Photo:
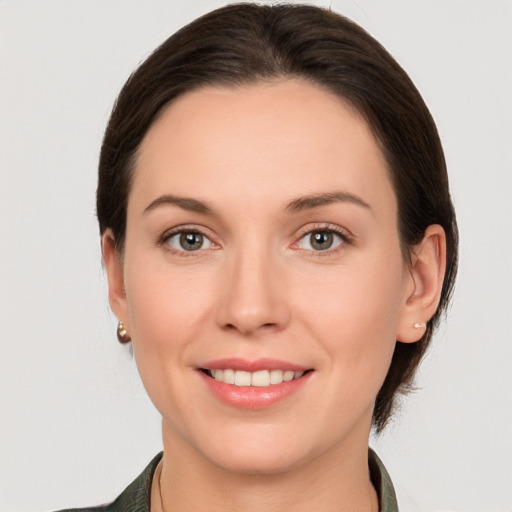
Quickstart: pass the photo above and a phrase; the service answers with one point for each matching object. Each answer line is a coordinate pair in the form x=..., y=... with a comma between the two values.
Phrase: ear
x=115, y=277
x=423, y=286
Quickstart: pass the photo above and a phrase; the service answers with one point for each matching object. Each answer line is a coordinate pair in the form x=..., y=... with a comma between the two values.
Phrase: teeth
x=261, y=378
x=229, y=376
x=276, y=376
x=242, y=378
x=288, y=375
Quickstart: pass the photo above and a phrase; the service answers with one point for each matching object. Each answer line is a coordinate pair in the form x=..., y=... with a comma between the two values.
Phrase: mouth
x=260, y=378
x=254, y=384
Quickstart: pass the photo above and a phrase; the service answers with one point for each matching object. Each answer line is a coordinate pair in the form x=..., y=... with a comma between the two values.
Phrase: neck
x=335, y=481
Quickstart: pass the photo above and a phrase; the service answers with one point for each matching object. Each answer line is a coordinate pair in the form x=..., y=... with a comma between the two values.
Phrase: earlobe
x=115, y=276
x=424, y=285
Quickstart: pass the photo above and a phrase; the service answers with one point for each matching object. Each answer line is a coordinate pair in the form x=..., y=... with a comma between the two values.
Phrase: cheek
x=164, y=303
x=167, y=311
x=354, y=312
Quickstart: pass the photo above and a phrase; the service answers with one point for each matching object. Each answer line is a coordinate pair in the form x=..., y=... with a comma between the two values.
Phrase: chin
x=257, y=455
x=258, y=464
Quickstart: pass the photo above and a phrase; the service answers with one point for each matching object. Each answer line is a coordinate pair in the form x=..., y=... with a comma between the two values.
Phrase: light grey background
x=75, y=423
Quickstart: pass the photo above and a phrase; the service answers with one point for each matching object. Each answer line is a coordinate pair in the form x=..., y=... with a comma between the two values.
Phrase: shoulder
x=135, y=498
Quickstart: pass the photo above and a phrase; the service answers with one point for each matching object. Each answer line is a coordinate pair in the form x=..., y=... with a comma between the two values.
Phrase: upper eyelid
x=344, y=234
x=187, y=228
x=162, y=241
x=300, y=233
x=177, y=230
x=324, y=226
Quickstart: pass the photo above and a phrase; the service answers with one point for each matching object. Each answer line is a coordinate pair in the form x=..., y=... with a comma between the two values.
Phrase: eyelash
x=182, y=230
x=345, y=237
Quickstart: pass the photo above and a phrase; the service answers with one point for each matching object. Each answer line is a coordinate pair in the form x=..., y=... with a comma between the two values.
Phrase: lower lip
x=253, y=397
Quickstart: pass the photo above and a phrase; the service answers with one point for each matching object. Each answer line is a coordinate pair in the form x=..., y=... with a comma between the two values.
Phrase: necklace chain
x=162, y=508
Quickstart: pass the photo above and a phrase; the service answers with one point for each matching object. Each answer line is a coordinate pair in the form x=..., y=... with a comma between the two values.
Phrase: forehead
x=272, y=139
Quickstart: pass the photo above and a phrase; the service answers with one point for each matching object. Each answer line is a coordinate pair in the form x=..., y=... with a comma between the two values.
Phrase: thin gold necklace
x=160, y=465
x=162, y=508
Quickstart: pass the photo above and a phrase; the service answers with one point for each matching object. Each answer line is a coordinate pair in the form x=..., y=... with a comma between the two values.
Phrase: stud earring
x=122, y=334
x=419, y=325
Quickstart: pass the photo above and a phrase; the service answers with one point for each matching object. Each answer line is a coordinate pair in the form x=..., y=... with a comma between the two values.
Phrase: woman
x=279, y=241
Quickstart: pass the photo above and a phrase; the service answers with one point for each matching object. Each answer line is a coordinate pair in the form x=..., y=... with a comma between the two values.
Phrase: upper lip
x=235, y=363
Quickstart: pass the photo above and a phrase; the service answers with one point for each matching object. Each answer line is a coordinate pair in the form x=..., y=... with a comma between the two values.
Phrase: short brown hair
x=246, y=43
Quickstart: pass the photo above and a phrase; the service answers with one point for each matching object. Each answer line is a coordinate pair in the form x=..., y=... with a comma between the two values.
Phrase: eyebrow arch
x=185, y=203
x=323, y=199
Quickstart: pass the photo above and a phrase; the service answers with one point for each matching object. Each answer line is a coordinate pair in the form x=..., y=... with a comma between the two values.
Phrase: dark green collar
x=136, y=497
x=382, y=483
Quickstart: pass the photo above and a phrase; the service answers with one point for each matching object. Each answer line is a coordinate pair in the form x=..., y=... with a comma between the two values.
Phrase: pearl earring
x=122, y=334
x=419, y=325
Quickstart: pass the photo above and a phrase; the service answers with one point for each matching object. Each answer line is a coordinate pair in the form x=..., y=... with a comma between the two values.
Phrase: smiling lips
x=259, y=378
x=253, y=385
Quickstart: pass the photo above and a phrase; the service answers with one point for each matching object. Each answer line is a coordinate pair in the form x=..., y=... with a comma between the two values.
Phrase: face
x=262, y=246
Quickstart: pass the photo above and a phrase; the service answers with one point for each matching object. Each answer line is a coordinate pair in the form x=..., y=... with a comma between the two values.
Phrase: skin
x=258, y=288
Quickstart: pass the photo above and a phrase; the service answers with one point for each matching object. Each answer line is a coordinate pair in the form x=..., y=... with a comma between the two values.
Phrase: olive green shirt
x=135, y=498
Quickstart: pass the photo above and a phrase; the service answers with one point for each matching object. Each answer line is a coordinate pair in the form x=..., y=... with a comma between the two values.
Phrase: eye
x=321, y=240
x=189, y=241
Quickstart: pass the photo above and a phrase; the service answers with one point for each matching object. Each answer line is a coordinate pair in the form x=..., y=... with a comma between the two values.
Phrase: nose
x=253, y=298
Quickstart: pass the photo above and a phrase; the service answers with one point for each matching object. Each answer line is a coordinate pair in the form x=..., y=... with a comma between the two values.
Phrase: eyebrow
x=185, y=203
x=323, y=199
x=297, y=205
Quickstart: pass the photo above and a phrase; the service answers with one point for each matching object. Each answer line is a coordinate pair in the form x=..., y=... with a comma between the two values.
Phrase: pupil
x=321, y=240
x=191, y=241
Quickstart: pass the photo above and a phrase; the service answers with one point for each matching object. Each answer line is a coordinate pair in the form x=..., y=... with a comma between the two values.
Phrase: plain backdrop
x=75, y=424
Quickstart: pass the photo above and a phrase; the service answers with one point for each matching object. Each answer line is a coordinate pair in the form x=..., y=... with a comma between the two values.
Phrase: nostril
x=246, y=329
